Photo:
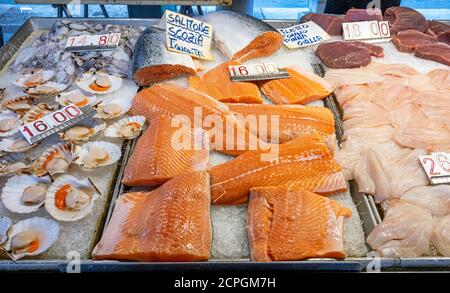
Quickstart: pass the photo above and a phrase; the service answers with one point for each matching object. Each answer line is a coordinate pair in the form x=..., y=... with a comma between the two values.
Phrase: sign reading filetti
x=187, y=35
x=303, y=35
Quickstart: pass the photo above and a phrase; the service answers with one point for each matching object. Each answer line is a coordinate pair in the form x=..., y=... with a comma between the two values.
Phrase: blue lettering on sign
x=188, y=24
x=173, y=44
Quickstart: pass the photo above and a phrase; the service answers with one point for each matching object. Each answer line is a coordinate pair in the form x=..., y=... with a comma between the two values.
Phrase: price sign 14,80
x=92, y=42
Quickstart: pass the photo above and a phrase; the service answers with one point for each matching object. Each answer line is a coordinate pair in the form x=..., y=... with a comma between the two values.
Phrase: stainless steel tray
x=364, y=203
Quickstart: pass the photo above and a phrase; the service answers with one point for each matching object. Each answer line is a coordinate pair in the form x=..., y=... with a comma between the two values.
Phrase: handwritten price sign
x=303, y=34
x=370, y=31
x=437, y=167
x=92, y=42
x=261, y=71
x=54, y=122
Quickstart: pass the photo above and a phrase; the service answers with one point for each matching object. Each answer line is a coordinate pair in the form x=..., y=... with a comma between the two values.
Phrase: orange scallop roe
x=96, y=87
x=60, y=196
x=33, y=246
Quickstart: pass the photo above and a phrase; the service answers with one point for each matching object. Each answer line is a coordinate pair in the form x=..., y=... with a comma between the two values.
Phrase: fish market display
x=304, y=161
x=330, y=23
x=293, y=224
x=404, y=18
x=354, y=14
x=301, y=87
x=217, y=84
x=160, y=155
x=242, y=37
x=190, y=106
x=341, y=54
x=171, y=223
x=154, y=63
x=292, y=121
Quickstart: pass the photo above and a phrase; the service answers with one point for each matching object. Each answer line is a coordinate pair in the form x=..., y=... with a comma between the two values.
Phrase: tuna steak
x=355, y=14
x=439, y=52
x=331, y=24
x=406, y=41
x=154, y=63
x=403, y=18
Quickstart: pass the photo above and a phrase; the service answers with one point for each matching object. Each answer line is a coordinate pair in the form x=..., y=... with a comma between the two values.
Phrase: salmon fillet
x=158, y=157
x=301, y=87
x=197, y=110
x=217, y=83
x=292, y=120
x=294, y=224
x=263, y=45
x=170, y=223
x=304, y=160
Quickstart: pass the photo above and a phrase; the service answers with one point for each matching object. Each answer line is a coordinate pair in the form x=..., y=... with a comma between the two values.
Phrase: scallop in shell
x=20, y=105
x=15, y=145
x=10, y=165
x=54, y=160
x=94, y=154
x=34, y=78
x=9, y=123
x=31, y=237
x=48, y=89
x=99, y=83
x=113, y=108
x=25, y=193
x=84, y=130
x=127, y=128
x=36, y=112
x=5, y=225
x=70, y=199
x=75, y=97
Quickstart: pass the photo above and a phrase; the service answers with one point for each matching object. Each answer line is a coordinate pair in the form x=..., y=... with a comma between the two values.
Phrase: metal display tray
x=365, y=204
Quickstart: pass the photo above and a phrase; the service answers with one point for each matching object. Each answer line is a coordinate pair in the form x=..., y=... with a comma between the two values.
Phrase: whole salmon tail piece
x=198, y=110
x=301, y=87
x=288, y=121
x=305, y=158
x=163, y=152
x=255, y=38
x=152, y=62
x=170, y=223
x=217, y=83
x=294, y=224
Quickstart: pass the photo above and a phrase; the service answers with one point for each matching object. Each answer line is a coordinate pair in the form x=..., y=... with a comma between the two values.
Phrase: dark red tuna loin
x=406, y=41
x=347, y=54
x=363, y=15
x=439, y=52
x=331, y=24
x=403, y=18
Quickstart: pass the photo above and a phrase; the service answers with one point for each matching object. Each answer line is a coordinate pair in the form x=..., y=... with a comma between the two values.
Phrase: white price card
x=303, y=34
x=437, y=167
x=54, y=122
x=92, y=42
x=187, y=35
x=370, y=31
x=261, y=71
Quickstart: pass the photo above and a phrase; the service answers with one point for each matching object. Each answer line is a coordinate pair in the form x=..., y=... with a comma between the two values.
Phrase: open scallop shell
x=10, y=165
x=15, y=145
x=5, y=225
x=54, y=160
x=36, y=112
x=31, y=237
x=9, y=123
x=20, y=105
x=70, y=199
x=75, y=97
x=34, y=78
x=25, y=193
x=84, y=130
x=48, y=89
x=113, y=108
x=127, y=128
x=95, y=154
x=99, y=83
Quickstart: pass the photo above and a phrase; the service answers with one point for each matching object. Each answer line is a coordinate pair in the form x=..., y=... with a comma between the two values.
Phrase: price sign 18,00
x=371, y=31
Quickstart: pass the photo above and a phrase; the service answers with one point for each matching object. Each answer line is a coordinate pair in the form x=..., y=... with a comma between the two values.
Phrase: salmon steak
x=294, y=224
x=170, y=223
x=217, y=83
x=301, y=87
x=305, y=160
x=197, y=110
x=158, y=156
x=288, y=121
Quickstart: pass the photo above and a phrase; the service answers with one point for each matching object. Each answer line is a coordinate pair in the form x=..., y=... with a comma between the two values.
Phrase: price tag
x=187, y=35
x=437, y=167
x=92, y=42
x=261, y=71
x=303, y=34
x=369, y=31
x=54, y=122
